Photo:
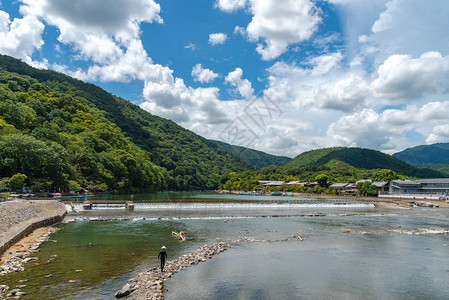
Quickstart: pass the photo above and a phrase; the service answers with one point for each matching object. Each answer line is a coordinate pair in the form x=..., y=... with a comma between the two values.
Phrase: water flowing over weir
x=215, y=202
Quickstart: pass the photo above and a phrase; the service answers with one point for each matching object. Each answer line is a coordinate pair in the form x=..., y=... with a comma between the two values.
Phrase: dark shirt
x=162, y=254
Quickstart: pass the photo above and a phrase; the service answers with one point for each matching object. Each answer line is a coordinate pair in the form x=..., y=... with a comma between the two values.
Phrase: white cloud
x=217, y=38
x=347, y=94
x=440, y=134
x=324, y=63
x=203, y=75
x=278, y=23
x=230, y=5
x=387, y=130
x=118, y=18
x=107, y=33
x=402, y=78
x=281, y=23
x=21, y=37
x=240, y=30
x=411, y=27
x=243, y=86
x=191, y=46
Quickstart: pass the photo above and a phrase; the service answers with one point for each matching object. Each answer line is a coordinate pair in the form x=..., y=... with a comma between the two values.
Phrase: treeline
x=249, y=180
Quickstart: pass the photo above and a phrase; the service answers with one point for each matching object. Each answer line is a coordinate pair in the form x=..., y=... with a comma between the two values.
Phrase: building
x=383, y=186
x=423, y=186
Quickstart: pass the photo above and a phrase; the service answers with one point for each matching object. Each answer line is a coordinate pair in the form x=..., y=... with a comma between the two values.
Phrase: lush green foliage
x=425, y=154
x=442, y=168
x=96, y=140
x=255, y=158
x=17, y=181
x=322, y=180
x=365, y=188
x=61, y=141
x=385, y=175
x=358, y=158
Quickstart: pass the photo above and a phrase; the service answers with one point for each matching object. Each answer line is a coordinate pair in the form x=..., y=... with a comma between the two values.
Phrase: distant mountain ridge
x=425, y=154
x=358, y=158
x=255, y=158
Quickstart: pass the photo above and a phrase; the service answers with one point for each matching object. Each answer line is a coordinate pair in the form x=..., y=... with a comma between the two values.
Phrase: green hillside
x=442, y=168
x=358, y=158
x=100, y=141
x=255, y=158
x=425, y=154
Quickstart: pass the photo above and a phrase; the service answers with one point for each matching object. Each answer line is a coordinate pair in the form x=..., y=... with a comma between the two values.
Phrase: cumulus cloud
x=230, y=5
x=402, y=78
x=440, y=134
x=347, y=94
x=217, y=38
x=119, y=18
x=243, y=86
x=21, y=37
x=387, y=130
x=203, y=75
x=276, y=24
x=281, y=23
x=106, y=33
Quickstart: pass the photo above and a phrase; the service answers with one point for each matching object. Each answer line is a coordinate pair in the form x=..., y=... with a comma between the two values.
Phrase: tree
x=17, y=181
x=25, y=154
x=385, y=175
x=73, y=185
x=366, y=188
x=322, y=180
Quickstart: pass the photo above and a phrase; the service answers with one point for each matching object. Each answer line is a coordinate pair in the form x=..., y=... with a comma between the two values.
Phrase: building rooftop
x=405, y=181
x=273, y=183
x=380, y=184
x=435, y=180
x=338, y=185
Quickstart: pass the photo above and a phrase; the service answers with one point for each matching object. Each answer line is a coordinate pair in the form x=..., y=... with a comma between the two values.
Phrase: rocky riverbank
x=150, y=284
x=19, y=218
x=21, y=233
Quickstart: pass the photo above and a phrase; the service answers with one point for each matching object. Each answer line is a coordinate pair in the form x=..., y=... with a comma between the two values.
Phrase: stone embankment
x=150, y=284
x=19, y=218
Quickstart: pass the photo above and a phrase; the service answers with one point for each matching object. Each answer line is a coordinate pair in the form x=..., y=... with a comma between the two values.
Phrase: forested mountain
x=354, y=158
x=442, y=168
x=255, y=158
x=60, y=131
x=425, y=154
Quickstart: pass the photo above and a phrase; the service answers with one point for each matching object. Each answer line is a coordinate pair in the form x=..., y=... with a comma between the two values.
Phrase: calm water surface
x=353, y=251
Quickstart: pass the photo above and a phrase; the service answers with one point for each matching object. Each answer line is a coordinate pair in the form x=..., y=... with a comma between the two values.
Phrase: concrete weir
x=19, y=218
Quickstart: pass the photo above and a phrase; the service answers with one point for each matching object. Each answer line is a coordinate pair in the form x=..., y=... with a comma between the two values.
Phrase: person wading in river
x=162, y=256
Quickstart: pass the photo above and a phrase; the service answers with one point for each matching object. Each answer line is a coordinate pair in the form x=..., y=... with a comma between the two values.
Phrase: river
x=349, y=250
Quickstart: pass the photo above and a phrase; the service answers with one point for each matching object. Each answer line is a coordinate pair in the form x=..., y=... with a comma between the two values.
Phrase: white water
x=222, y=206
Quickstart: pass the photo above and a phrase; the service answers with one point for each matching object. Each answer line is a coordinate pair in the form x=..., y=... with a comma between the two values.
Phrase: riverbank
x=19, y=218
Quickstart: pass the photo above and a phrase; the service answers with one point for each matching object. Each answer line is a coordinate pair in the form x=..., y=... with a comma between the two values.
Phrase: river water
x=349, y=250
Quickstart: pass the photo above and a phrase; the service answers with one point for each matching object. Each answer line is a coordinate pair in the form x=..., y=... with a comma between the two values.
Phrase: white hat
x=163, y=247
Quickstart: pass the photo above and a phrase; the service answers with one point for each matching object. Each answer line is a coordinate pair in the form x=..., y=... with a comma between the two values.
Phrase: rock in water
x=125, y=291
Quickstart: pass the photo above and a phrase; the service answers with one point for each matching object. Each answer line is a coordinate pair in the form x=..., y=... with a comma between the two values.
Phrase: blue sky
x=287, y=75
